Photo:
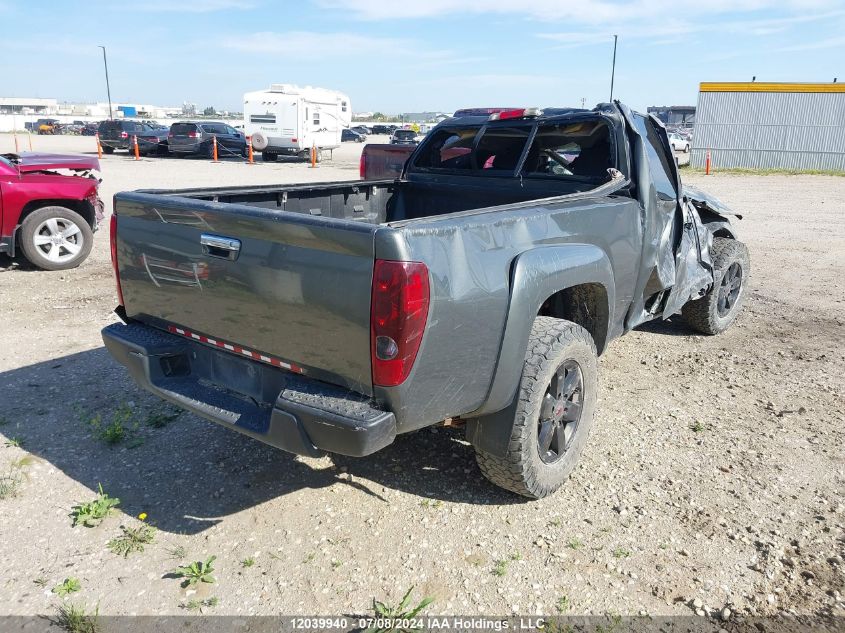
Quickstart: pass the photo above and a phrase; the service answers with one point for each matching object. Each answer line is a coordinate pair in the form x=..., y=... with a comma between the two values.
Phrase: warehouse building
x=761, y=125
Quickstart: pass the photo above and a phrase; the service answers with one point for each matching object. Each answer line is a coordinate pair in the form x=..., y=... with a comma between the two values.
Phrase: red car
x=49, y=208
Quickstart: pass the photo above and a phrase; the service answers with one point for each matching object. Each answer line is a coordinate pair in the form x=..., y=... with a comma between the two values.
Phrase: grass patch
x=199, y=605
x=401, y=611
x=132, y=540
x=91, y=514
x=621, y=552
x=10, y=484
x=14, y=442
x=309, y=558
x=248, y=562
x=196, y=572
x=160, y=419
x=179, y=552
x=69, y=586
x=74, y=619
x=696, y=427
x=575, y=543
x=431, y=503
x=562, y=605
x=745, y=171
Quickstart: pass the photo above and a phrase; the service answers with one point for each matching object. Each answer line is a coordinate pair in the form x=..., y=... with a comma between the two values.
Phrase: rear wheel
x=554, y=411
x=269, y=157
x=56, y=238
x=717, y=310
x=108, y=150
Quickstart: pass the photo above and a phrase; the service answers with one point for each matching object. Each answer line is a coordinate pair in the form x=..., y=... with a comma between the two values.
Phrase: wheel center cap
x=558, y=410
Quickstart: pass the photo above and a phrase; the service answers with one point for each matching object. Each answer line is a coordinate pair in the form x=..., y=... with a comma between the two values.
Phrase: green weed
x=402, y=611
x=196, y=572
x=75, y=619
x=160, y=419
x=132, y=540
x=10, y=484
x=178, y=552
x=14, y=442
x=500, y=568
x=69, y=586
x=575, y=543
x=199, y=605
x=696, y=427
x=563, y=604
x=91, y=514
x=621, y=552
x=248, y=562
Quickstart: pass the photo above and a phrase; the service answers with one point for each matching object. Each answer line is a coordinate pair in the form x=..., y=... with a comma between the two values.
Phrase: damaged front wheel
x=715, y=311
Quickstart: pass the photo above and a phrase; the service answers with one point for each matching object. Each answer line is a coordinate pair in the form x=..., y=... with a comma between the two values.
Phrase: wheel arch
x=82, y=207
x=570, y=281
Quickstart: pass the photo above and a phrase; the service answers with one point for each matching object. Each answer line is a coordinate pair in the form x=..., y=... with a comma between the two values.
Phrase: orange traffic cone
x=313, y=155
x=137, y=151
x=250, y=159
x=214, y=145
x=99, y=147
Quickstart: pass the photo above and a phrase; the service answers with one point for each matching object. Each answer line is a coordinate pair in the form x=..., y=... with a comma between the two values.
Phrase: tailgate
x=289, y=285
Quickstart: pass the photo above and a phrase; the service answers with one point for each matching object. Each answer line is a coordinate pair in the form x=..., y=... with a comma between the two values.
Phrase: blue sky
x=408, y=55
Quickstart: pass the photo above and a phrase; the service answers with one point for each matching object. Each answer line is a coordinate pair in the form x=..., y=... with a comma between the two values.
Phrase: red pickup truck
x=49, y=208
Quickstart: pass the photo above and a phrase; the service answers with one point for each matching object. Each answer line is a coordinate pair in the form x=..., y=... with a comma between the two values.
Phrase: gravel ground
x=713, y=479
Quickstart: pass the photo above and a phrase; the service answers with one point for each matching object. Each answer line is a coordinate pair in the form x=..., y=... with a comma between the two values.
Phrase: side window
x=231, y=130
x=343, y=106
x=316, y=118
x=658, y=162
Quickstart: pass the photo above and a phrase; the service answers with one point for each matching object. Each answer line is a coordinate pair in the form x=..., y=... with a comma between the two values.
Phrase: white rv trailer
x=288, y=119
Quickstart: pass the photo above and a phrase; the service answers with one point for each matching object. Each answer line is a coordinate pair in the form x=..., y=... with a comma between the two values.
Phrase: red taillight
x=124, y=135
x=113, y=244
x=399, y=311
x=362, y=166
x=294, y=140
x=193, y=135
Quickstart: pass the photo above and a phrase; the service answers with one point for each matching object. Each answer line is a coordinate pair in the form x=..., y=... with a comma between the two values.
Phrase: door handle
x=220, y=246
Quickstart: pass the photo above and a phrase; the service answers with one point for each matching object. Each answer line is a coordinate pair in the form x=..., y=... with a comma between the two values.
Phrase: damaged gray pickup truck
x=481, y=285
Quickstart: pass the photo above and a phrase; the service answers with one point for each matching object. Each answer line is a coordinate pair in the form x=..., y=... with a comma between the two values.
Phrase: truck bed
x=384, y=201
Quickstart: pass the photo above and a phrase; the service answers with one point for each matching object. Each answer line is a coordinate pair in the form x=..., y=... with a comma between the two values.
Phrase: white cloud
x=313, y=45
x=193, y=6
x=830, y=42
x=595, y=12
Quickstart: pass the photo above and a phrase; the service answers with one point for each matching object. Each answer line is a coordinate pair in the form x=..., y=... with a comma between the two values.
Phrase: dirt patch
x=714, y=477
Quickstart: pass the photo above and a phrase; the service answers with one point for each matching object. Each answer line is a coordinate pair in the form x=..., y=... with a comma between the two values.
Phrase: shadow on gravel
x=674, y=326
x=190, y=474
x=18, y=263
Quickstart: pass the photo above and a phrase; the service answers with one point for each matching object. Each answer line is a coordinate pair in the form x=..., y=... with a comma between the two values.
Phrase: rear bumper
x=294, y=413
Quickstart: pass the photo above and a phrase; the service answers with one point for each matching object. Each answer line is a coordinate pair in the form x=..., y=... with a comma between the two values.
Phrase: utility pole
x=108, y=88
x=613, y=69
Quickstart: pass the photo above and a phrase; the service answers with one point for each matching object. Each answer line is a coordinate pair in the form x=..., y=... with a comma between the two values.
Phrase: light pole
x=108, y=88
x=612, y=71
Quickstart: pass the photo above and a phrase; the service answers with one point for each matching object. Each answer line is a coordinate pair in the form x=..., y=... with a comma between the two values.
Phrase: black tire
x=108, y=150
x=36, y=230
x=269, y=157
x=555, y=346
x=686, y=148
x=718, y=309
x=208, y=150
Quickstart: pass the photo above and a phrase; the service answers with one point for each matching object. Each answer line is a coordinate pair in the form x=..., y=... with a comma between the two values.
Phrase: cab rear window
x=498, y=149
